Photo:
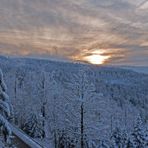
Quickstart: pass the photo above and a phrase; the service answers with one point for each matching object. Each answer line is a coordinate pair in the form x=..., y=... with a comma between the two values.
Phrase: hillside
x=120, y=96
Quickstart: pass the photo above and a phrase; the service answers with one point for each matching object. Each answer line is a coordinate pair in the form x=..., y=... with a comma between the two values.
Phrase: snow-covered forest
x=72, y=105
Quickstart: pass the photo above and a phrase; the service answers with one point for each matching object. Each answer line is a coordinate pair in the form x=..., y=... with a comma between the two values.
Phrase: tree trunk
x=43, y=110
x=43, y=122
x=55, y=139
x=15, y=89
x=82, y=126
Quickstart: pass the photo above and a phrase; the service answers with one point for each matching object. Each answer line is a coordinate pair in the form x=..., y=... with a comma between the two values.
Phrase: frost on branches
x=5, y=110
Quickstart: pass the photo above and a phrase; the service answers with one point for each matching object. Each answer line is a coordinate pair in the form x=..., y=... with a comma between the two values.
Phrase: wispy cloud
x=73, y=29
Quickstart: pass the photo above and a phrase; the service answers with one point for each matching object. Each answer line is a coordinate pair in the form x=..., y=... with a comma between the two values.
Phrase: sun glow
x=97, y=57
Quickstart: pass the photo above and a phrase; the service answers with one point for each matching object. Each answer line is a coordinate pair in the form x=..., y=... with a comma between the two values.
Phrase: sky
x=96, y=31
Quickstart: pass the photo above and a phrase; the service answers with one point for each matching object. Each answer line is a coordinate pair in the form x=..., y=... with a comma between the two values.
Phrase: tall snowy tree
x=43, y=104
x=5, y=110
x=83, y=92
x=55, y=108
x=119, y=138
x=138, y=136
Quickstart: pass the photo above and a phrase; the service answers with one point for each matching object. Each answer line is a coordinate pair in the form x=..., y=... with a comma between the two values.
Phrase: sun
x=97, y=59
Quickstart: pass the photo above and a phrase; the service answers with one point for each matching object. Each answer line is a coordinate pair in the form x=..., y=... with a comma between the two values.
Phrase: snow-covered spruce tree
x=138, y=136
x=5, y=110
x=43, y=104
x=119, y=138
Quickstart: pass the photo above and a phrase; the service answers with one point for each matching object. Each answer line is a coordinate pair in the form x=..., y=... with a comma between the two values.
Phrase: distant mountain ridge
x=140, y=69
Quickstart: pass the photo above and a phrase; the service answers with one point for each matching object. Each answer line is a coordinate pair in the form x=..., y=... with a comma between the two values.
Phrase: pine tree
x=138, y=136
x=119, y=138
x=116, y=138
x=5, y=110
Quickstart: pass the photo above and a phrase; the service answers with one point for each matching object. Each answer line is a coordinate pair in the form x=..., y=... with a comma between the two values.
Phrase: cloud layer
x=73, y=29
